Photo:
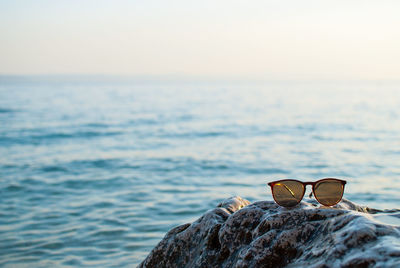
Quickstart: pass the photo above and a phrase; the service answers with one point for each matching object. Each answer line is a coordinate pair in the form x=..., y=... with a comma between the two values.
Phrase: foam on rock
x=263, y=234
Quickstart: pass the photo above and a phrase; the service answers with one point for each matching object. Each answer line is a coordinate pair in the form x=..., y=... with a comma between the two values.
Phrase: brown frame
x=271, y=184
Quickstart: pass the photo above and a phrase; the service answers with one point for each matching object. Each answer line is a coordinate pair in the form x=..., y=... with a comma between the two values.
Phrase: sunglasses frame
x=343, y=182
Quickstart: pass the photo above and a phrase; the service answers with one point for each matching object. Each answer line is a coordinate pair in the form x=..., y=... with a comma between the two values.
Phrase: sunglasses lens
x=329, y=192
x=288, y=193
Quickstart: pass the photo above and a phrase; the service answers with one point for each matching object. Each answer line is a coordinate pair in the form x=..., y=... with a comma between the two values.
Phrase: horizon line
x=184, y=78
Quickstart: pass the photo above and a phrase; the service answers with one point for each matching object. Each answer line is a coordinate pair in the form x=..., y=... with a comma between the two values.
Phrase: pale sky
x=217, y=38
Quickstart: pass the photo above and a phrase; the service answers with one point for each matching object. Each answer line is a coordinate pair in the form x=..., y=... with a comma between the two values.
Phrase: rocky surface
x=262, y=234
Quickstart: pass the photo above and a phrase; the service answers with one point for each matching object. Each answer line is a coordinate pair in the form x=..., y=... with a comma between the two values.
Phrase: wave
x=35, y=139
x=6, y=110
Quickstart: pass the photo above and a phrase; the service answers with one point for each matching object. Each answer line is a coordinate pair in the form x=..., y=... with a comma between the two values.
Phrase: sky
x=280, y=39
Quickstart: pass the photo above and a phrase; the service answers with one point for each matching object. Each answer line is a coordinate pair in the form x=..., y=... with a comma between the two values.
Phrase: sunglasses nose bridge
x=308, y=183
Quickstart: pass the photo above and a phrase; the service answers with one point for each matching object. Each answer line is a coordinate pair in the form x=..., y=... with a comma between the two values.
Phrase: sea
x=95, y=170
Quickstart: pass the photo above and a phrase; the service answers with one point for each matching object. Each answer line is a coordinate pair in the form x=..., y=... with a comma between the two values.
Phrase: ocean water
x=94, y=173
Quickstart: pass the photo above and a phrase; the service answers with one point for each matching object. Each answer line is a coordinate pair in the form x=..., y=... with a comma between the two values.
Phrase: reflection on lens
x=328, y=192
x=288, y=193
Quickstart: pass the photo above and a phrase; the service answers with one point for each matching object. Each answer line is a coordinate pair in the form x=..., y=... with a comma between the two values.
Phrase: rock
x=262, y=234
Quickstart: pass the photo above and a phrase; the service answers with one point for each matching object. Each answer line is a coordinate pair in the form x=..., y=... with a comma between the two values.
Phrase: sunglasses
x=288, y=193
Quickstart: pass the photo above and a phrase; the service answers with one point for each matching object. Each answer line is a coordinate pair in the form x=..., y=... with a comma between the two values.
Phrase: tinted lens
x=328, y=192
x=288, y=193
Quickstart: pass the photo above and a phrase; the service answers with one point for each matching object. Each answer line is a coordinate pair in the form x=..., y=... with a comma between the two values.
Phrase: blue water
x=93, y=173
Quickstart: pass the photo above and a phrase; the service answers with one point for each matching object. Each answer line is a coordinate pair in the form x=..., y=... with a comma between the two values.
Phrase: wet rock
x=262, y=234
